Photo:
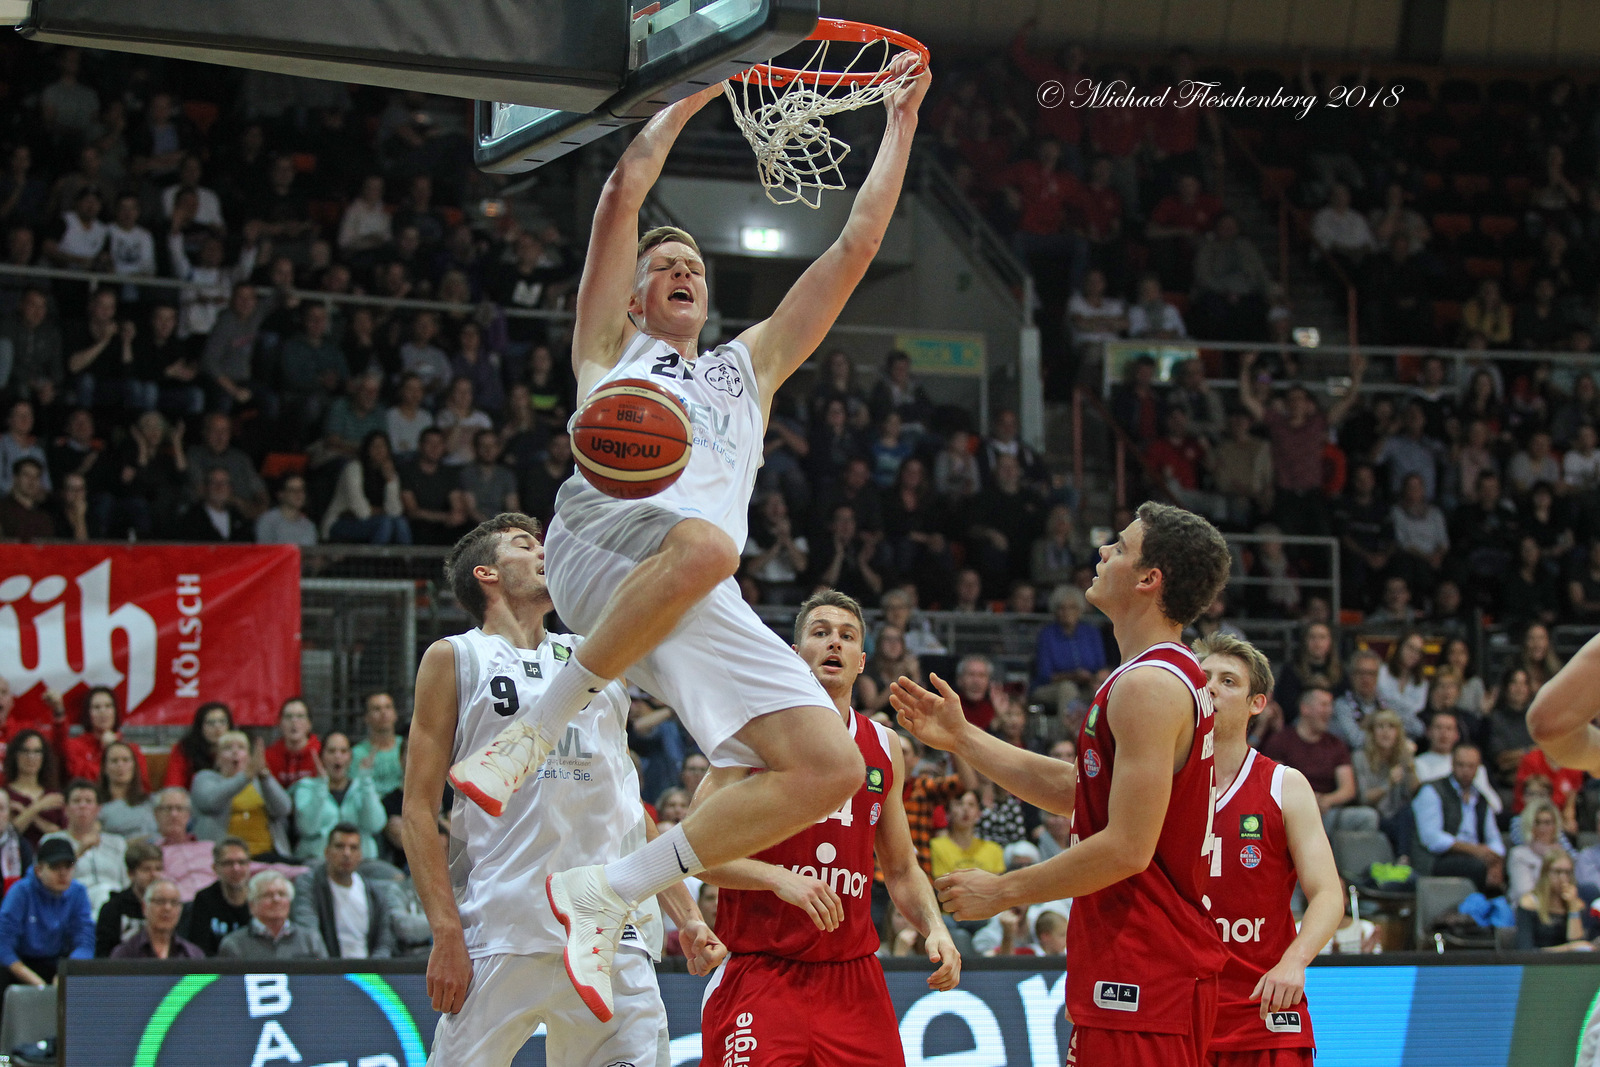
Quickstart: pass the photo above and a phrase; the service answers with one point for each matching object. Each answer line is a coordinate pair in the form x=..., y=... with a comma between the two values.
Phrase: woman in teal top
x=333, y=797
x=379, y=756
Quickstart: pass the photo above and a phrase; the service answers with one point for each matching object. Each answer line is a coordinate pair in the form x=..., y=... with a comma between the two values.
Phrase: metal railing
x=985, y=246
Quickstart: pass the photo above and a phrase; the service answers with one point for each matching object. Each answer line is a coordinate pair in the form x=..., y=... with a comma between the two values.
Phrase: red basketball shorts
x=1093, y=1046
x=764, y=1011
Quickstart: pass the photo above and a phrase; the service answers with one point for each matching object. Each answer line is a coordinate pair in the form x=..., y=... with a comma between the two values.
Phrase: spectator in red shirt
x=196, y=750
x=100, y=719
x=1117, y=133
x=1298, y=432
x=1309, y=748
x=1100, y=206
x=1176, y=228
x=1178, y=458
x=1564, y=786
x=293, y=755
x=1041, y=193
x=1063, y=121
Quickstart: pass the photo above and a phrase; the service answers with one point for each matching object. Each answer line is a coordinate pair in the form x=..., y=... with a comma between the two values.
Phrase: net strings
x=797, y=157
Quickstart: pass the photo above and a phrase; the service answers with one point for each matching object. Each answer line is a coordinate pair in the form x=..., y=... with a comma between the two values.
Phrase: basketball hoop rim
x=845, y=31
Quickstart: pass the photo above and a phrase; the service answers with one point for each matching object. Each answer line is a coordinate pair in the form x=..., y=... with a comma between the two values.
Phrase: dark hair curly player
x=1191, y=556
x=480, y=547
x=827, y=598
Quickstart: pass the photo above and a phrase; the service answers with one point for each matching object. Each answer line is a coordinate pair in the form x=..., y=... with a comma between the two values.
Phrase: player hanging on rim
x=1561, y=717
x=783, y=963
x=650, y=582
x=1271, y=833
x=496, y=967
x=1143, y=992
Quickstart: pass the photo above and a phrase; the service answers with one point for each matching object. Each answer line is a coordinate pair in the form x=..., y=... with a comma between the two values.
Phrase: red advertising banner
x=168, y=627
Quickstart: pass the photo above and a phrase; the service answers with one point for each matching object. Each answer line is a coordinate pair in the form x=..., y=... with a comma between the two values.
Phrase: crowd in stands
x=238, y=849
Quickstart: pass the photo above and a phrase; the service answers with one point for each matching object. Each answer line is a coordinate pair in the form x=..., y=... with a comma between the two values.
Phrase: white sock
x=660, y=864
x=570, y=692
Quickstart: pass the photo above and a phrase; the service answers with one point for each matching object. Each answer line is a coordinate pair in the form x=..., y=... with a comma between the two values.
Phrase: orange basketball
x=631, y=438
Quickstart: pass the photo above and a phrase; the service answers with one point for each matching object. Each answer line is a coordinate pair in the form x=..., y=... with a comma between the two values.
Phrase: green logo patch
x=875, y=779
x=1094, y=717
x=563, y=653
x=1250, y=827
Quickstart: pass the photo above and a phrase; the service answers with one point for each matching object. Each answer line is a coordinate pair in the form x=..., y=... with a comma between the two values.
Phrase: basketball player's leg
x=636, y=1034
x=693, y=559
x=625, y=577
x=504, y=1005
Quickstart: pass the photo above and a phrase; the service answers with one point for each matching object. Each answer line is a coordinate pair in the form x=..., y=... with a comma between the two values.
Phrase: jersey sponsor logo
x=874, y=779
x=737, y=1046
x=1283, y=1022
x=877, y=810
x=1091, y=763
x=1250, y=827
x=1116, y=996
x=1094, y=717
x=563, y=653
x=1250, y=856
x=531, y=669
x=724, y=377
x=1240, y=931
x=841, y=880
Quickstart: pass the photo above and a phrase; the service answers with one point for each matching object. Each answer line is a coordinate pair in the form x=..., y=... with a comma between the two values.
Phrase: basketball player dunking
x=1143, y=992
x=496, y=968
x=650, y=582
x=786, y=963
x=1272, y=836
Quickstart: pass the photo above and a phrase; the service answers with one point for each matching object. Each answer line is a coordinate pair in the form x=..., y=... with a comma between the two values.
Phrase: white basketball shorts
x=511, y=995
x=720, y=668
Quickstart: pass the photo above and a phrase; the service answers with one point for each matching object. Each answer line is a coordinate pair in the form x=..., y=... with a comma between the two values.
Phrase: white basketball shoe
x=594, y=916
x=490, y=775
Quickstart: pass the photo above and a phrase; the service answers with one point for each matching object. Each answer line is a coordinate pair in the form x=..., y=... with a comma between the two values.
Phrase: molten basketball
x=631, y=438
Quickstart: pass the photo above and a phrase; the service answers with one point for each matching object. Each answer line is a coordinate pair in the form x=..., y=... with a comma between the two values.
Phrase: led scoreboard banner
x=1523, y=1010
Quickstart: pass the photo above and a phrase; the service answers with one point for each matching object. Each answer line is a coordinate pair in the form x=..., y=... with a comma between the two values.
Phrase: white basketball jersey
x=580, y=807
x=719, y=390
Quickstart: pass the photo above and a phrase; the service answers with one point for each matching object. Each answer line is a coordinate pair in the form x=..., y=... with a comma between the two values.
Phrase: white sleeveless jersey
x=580, y=807
x=719, y=389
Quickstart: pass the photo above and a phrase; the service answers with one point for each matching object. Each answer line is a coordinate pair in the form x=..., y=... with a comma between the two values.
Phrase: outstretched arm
x=935, y=719
x=779, y=345
x=433, y=732
x=1148, y=712
x=1560, y=716
x=1284, y=986
x=601, y=325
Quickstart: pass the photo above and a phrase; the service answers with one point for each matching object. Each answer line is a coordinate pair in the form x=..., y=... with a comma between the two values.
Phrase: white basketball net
x=796, y=156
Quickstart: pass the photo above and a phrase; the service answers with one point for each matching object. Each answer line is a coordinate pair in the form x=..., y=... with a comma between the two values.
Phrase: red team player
x=1272, y=836
x=1142, y=990
x=795, y=991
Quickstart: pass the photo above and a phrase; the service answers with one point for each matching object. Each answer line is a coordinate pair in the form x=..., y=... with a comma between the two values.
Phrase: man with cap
x=44, y=917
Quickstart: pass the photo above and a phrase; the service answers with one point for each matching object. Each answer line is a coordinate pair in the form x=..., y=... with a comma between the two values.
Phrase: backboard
x=562, y=71
x=675, y=49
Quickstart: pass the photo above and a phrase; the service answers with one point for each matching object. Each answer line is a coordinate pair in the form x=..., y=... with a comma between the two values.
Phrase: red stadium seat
x=279, y=464
x=1446, y=315
x=1471, y=186
x=1480, y=267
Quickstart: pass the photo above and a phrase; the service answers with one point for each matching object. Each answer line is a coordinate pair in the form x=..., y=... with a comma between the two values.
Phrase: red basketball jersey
x=838, y=850
x=1135, y=949
x=1250, y=904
